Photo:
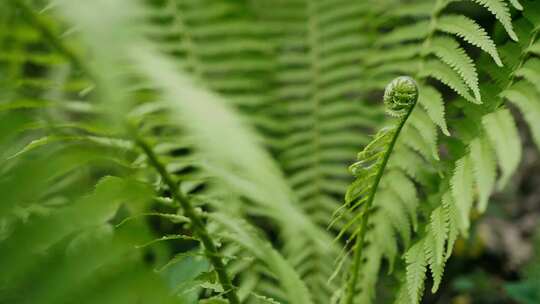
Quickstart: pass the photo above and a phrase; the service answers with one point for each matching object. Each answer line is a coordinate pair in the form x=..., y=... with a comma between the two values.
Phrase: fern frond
x=416, y=271
x=484, y=167
x=454, y=221
x=471, y=32
x=400, y=98
x=502, y=132
x=516, y=4
x=432, y=101
x=427, y=130
x=248, y=111
x=446, y=75
x=462, y=189
x=535, y=48
x=415, y=31
x=434, y=245
x=525, y=96
x=392, y=207
x=241, y=233
x=439, y=230
x=318, y=103
x=436, y=268
x=451, y=53
x=530, y=72
x=398, y=184
x=499, y=8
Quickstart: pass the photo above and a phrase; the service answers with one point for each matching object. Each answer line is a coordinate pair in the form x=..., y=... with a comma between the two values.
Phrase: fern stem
x=39, y=24
x=360, y=238
x=197, y=224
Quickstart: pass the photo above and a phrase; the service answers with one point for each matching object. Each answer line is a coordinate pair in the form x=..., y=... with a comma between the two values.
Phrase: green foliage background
x=195, y=151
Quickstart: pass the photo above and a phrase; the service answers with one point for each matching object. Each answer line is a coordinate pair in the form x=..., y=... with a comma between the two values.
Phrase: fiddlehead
x=400, y=98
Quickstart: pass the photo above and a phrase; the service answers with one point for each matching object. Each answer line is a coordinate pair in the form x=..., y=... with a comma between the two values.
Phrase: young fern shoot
x=400, y=98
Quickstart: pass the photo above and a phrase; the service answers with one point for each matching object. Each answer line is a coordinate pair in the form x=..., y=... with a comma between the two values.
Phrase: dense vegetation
x=196, y=151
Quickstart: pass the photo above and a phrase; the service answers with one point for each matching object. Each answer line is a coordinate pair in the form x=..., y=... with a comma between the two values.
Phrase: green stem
x=360, y=238
x=197, y=224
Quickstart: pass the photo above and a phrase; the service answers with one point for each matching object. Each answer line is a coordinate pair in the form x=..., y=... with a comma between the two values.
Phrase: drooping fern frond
x=253, y=174
x=209, y=35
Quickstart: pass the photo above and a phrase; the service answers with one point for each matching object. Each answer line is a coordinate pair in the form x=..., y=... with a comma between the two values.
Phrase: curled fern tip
x=400, y=95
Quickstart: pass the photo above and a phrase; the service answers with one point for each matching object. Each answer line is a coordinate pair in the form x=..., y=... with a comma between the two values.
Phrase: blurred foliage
x=195, y=151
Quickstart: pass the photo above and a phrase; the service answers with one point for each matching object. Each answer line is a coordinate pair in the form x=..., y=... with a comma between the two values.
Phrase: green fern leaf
x=451, y=53
x=415, y=31
x=501, y=12
x=263, y=299
x=455, y=224
x=396, y=181
x=471, y=32
x=383, y=237
x=427, y=129
x=436, y=268
x=435, y=240
x=446, y=75
x=502, y=132
x=405, y=51
x=409, y=161
x=516, y=4
x=432, y=101
x=439, y=230
x=531, y=72
x=526, y=98
x=402, y=295
x=485, y=169
x=394, y=210
x=534, y=48
x=416, y=271
x=461, y=184
x=240, y=232
x=414, y=139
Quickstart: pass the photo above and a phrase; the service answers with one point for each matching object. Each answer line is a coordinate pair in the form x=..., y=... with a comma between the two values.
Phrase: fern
x=484, y=167
x=495, y=123
x=317, y=105
x=239, y=232
x=456, y=70
x=216, y=132
x=195, y=221
x=478, y=169
x=499, y=8
x=471, y=32
x=400, y=98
